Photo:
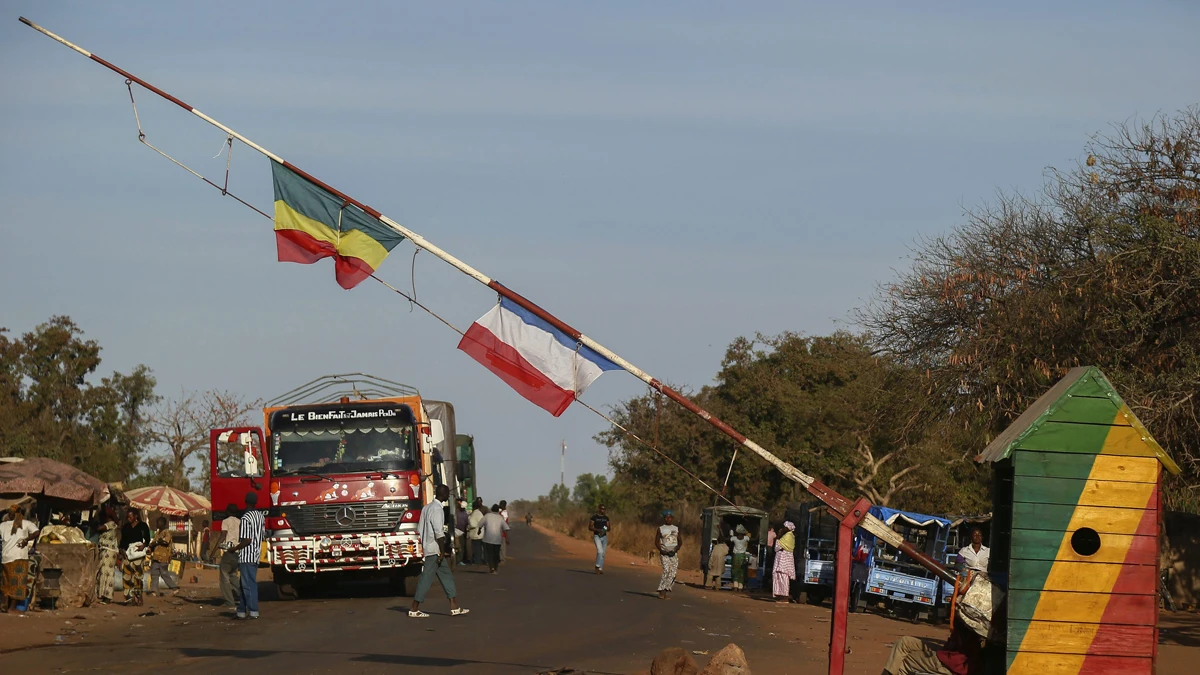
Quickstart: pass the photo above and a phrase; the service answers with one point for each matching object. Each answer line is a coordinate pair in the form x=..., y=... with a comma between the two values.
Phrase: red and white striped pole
x=836, y=502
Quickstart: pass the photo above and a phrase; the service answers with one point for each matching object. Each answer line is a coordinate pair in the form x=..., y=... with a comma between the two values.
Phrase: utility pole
x=562, y=465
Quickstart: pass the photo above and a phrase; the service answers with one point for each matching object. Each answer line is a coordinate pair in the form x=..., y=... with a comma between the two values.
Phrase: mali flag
x=311, y=224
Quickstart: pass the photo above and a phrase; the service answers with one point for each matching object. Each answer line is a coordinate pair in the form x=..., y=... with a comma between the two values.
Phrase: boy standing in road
x=433, y=542
x=249, y=550
x=160, y=557
x=599, y=528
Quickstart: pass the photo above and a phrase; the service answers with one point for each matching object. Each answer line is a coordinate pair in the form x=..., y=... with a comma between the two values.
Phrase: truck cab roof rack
x=332, y=388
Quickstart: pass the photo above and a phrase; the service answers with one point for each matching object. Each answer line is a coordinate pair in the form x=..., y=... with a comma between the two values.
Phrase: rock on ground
x=674, y=661
x=728, y=661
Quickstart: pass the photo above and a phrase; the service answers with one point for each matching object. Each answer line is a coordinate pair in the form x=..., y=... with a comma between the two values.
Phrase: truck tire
x=403, y=584
x=287, y=591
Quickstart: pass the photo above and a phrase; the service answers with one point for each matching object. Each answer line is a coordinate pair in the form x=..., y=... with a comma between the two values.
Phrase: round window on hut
x=1085, y=541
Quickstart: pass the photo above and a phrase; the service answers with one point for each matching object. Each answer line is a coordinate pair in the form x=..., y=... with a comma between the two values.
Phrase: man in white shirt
x=231, y=583
x=475, y=531
x=494, y=529
x=432, y=527
x=976, y=556
x=504, y=540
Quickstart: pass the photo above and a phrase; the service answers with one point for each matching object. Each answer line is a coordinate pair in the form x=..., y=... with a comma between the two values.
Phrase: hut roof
x=1085, y=382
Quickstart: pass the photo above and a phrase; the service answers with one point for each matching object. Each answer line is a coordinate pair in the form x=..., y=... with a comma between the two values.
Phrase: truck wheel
x=410, y=585
x=287, y=591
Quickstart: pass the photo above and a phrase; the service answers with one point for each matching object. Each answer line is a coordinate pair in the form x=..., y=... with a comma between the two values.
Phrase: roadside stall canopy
x=168, y=501
x=890, y=516
x=43, y=478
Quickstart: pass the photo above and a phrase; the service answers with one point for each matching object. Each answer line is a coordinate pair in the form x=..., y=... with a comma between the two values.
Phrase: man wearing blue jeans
x=432, y=527
x=599, y=528
x=251, y=531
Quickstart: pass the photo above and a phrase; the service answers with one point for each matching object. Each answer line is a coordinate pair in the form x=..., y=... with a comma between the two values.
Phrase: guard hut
x=1075, y=532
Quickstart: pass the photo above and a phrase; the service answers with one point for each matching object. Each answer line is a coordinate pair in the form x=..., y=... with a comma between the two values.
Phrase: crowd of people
x=123, y=542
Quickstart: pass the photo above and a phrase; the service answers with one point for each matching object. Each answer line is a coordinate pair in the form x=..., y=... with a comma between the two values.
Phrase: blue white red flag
x=543, y=364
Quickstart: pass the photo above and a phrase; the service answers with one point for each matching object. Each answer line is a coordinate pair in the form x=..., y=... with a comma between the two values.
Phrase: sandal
x=418, y=614
x=459, y=612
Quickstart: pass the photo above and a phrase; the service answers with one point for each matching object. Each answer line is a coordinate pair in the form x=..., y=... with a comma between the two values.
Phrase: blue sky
x=666, y=178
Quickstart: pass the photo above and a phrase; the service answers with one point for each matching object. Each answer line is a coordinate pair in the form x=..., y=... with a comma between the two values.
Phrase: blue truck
x=817, y=533
x=884, y=576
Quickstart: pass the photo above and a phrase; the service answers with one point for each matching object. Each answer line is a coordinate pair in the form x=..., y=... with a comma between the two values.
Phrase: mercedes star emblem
x=344, y=516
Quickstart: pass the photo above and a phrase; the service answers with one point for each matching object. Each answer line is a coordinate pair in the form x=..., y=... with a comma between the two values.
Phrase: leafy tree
x=1101, y=268
x=50, y=406
x=592, y=490
x=181, y=428
x=558, y=498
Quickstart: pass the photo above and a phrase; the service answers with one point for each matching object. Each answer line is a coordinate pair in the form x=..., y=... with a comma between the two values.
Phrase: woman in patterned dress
x=110, y=539
x=785, y=563
x=667, y=541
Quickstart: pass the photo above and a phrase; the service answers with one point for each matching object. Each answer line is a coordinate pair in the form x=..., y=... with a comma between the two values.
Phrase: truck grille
x=327, y=518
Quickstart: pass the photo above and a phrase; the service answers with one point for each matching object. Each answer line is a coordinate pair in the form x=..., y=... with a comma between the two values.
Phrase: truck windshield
x=338, y=449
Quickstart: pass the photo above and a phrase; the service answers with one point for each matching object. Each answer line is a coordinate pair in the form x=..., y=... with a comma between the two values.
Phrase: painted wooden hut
x=1075, y=532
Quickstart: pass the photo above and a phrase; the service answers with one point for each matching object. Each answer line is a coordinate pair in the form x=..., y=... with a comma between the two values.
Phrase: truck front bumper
x=345, y=552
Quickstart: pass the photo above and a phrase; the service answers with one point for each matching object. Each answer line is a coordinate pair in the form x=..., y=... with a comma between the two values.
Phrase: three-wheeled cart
x=717, y=522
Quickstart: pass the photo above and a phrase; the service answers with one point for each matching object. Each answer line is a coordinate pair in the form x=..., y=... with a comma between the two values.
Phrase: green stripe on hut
x=1076, y=498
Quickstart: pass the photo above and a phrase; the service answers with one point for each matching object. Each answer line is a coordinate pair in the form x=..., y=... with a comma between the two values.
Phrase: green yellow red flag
x=311, y=223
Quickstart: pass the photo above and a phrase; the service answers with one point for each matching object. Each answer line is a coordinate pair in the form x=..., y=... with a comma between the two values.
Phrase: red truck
x=344, y=479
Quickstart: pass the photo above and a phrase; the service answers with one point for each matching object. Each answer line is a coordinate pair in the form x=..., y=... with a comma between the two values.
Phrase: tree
x=859, y=421
x=1101, y=268
x=51, y=407
x=559, y=498
x=181, y=428
x=592, y=490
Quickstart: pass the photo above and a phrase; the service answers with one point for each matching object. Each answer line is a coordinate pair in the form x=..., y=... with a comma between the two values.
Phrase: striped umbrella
x=168, y=500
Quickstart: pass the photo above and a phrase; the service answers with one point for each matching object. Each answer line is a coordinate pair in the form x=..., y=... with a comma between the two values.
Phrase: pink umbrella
x=168, y=500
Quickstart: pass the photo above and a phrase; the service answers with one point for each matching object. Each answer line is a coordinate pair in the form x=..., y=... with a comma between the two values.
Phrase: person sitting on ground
x=494, y=528
x=160, y=558
x=961, y=655
x=716, y=563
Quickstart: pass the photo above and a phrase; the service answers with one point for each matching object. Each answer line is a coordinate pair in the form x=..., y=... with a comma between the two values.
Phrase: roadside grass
x=629, y=534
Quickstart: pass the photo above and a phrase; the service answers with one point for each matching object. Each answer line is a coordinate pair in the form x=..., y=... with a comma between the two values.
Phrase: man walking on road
x=504, y=539
x=599, y=528
x=249, y=550
x=432, y=527
x=494, y=529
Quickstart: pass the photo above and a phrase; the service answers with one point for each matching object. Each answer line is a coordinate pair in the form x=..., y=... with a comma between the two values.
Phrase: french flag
x=543, y=364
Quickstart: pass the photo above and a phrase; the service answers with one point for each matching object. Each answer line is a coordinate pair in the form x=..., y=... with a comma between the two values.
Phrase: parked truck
x=344, y=465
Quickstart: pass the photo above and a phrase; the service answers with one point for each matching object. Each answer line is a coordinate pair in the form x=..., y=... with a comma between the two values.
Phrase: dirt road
x=546, y=609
